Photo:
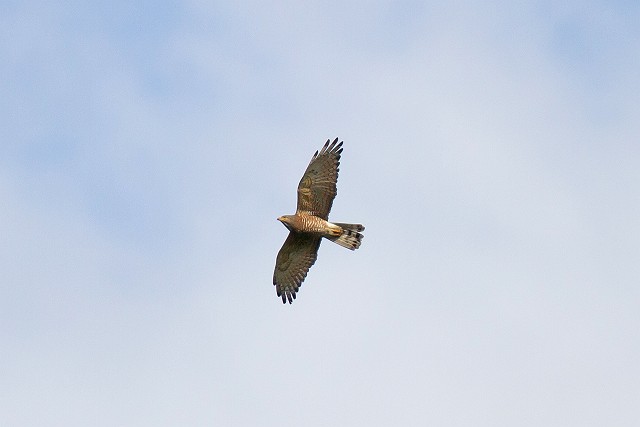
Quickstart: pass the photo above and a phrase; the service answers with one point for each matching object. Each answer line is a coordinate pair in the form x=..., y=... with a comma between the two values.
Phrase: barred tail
x=350, y=237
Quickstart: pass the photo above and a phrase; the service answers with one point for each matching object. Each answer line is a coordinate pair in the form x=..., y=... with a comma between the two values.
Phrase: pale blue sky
x=492, y=149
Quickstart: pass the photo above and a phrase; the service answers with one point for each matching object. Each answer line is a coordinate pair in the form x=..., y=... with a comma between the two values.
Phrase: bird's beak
x=280, y=219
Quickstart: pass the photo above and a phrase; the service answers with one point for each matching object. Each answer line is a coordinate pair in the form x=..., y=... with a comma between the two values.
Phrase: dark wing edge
x=335, y=147
x=298, y=253
x=318, y=185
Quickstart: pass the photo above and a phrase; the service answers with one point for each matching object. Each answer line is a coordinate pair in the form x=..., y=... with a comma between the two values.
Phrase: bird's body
x=310, y=224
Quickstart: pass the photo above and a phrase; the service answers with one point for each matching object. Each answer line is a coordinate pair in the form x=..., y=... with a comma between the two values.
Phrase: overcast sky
x=492, y=150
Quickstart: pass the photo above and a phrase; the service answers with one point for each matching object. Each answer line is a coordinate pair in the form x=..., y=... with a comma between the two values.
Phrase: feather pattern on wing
x=317, y=188
x=298, y=253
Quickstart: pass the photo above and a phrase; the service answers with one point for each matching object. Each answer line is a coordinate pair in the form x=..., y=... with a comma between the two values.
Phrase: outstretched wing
x=294, y=260
x=317, y=188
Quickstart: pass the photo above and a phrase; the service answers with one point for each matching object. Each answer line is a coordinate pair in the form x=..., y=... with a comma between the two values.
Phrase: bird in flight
x=310, y=224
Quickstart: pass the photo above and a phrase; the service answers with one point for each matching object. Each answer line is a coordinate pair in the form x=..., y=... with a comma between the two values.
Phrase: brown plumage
x=310, y=224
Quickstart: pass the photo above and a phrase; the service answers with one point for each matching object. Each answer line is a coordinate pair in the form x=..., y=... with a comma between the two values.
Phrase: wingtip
x=335, y=147
x=286, y=296
x=290, y=297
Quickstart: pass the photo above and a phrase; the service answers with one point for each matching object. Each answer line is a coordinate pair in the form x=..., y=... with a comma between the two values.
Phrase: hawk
x=310, y=224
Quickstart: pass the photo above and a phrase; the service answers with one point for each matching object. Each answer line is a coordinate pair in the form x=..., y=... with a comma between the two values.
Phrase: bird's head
x=285, y=220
